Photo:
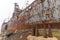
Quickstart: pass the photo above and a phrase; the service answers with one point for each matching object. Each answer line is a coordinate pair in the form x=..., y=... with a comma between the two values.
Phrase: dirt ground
x=40, y=38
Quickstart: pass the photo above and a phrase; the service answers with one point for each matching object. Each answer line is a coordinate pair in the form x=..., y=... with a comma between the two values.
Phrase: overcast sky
x=7, y=8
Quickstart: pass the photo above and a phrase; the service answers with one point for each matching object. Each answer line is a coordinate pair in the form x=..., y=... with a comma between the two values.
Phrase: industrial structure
x=40, y=14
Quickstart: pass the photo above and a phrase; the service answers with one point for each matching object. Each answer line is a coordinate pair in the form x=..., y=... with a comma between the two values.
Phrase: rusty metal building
x=40, y=14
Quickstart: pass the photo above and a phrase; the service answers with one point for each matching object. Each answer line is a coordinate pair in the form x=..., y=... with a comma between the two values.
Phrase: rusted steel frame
x=54, y=2
x=35, y=5
x=48, y=3
x=53, y=9
x=45, y=33
x=29, y=17
x=42, y=9
x=32, y=15
x=42, y=1
x=43, y=23
x=28, y=26
x=47, y=12
x=25, y=19
x=48, y=22
x=35, y=30
x=50, y=9
x=49, y=30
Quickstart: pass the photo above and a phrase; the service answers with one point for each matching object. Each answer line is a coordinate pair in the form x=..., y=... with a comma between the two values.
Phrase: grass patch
x=55, y=33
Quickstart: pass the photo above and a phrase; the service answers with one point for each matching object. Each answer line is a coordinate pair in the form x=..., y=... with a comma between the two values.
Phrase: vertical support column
x=36, y=31
x=33, y=31
x=45, y=33
x=49, y=31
